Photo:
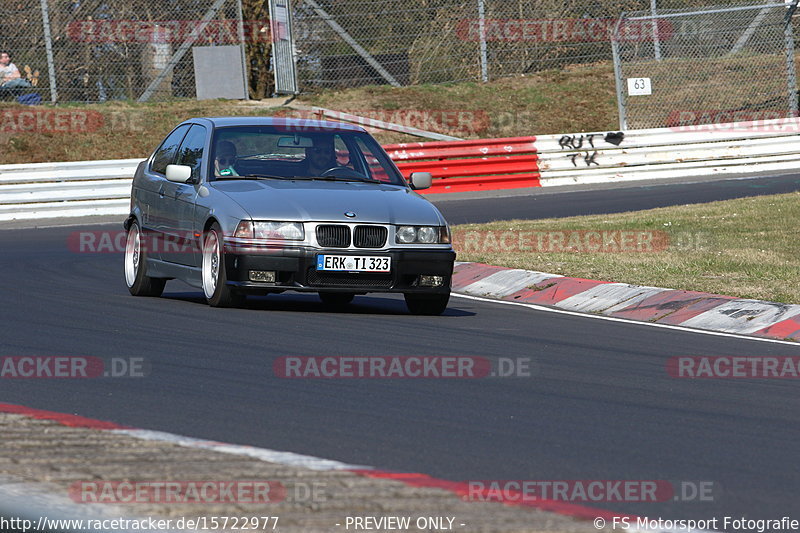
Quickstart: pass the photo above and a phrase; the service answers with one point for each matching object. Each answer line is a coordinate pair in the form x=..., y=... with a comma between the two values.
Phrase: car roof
x=299, y=123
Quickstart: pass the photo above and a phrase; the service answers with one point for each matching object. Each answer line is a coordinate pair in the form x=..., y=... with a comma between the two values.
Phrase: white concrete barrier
x=698, y=150
x=55, y=190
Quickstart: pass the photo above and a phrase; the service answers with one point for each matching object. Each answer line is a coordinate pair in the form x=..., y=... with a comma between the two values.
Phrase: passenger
x=225, y=159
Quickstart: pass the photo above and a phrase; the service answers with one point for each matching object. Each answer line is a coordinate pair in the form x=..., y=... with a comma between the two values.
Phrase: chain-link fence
x=720, y=64
x=727, y=58
x=98, y=50
x=346, y=43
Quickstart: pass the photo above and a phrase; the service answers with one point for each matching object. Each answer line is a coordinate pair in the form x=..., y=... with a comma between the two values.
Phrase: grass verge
x=583, y=96
x=86, y=132
x=746, y=247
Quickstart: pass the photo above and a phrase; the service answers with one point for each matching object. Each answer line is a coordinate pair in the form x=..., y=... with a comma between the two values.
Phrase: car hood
x=326, y=201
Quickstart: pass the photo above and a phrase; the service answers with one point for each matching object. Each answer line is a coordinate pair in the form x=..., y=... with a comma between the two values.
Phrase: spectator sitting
x=9, y=75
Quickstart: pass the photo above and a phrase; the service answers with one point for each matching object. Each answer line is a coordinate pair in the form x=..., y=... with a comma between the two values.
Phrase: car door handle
x=161, y=192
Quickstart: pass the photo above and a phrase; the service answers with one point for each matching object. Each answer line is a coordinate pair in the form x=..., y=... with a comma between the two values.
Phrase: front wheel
x=427, y=304
x=136, y=278
x=215, y=286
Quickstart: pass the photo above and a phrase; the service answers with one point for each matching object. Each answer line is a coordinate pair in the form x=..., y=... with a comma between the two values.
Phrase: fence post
x=482, y=32
x=656, y=41
x=48, y=44
x=791, y=73
x=245, y=70
x=618, y=81
x=284, y=61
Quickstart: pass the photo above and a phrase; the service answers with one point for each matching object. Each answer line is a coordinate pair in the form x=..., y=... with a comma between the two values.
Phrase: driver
x=321, y=156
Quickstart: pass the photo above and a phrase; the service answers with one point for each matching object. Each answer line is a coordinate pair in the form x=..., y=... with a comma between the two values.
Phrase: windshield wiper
x=254, y=177
x=341, y=178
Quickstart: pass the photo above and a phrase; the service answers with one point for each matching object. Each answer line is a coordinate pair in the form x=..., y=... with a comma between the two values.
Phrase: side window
x=375, y=169
x=191, y=150
x=343, y=158
x=165, y=154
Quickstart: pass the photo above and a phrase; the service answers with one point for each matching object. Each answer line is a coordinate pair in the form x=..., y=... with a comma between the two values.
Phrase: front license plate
x=354, y=263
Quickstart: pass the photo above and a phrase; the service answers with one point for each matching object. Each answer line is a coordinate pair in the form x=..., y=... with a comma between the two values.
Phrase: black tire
x=427, y=304
x=136, y=278
x=215, y=286
x=336, y=298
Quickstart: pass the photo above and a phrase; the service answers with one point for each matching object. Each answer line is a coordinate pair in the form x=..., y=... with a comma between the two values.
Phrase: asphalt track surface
x=599, y=403
x=462, y=208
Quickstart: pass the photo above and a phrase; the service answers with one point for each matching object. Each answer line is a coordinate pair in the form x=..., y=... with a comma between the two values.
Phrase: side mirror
x=179, y=173
x=421, y=180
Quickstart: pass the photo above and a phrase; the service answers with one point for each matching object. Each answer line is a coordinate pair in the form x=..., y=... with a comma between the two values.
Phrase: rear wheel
x=427, y=304
x=215, y=287
x=336, y=298
x=136, y=278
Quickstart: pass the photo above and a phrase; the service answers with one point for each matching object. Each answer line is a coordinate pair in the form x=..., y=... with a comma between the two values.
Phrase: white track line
x=537, y=307
x=262, y=454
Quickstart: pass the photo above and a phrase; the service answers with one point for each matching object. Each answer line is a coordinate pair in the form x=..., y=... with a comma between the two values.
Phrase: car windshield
x=283, y=152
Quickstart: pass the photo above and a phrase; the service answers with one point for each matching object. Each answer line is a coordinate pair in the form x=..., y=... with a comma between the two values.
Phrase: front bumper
x=295, y=270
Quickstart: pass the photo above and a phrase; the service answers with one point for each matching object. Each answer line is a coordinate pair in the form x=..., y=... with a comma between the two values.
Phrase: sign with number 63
x=639, y=86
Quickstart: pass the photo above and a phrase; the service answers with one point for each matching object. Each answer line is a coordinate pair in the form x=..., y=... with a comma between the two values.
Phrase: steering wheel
x=343, y=172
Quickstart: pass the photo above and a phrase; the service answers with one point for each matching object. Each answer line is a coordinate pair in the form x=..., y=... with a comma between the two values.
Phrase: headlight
x=428, y=235
x=422, y=235
x=406, y=234
x=290, y=231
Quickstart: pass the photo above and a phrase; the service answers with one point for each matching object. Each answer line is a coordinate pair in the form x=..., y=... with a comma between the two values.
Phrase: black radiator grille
x=370, y=236
x=333, y=235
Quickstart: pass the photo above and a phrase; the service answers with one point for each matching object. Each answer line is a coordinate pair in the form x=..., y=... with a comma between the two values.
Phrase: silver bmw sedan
x=251, y=205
